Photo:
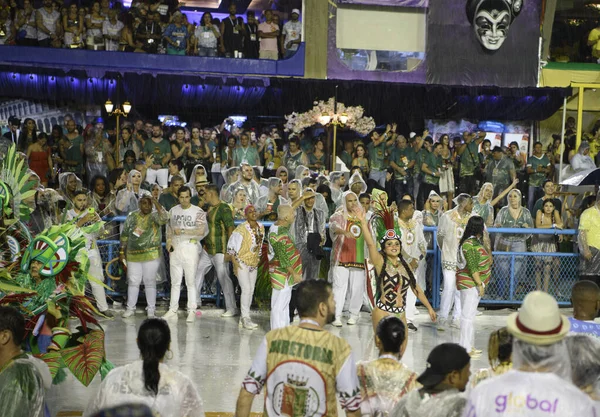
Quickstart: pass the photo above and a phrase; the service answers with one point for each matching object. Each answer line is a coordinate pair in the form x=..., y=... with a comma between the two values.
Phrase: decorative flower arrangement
x=297, y=122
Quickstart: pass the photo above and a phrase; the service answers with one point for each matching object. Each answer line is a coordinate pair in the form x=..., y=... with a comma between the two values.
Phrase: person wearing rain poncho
x=246, y=182
x=68, y=183
x=127, y=198
x=385, y=380
x=285, y=266
x=450, y=231
x=356, y=184
x=337, y=182
x=444, y=382
x=90, y=223
x=301, y=172
x=186, y=228
x=231, y=175
x=394, y=278
x=584, y=352
x=414, y=249
x=582, y=160
x=295, y=157
x=267, y=204
x=141, y=248
x=198, y=171
x=23, y=378
x=283, y=175
x=540, y=382
x=348, y=257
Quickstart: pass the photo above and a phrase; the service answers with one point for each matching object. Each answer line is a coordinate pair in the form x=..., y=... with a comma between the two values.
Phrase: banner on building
x=483, y=42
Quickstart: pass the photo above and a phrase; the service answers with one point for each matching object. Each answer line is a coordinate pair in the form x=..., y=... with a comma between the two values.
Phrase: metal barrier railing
x=514, y=274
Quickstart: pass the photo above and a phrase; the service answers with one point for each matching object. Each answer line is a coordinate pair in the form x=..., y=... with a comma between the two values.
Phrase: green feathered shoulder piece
x=15, y=185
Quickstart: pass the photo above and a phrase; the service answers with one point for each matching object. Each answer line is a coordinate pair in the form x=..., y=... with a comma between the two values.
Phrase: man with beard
x=306, y=355
x=160, y=149
x=245, y=153
x=247, y=183
x=337, y=181
x=200, y=198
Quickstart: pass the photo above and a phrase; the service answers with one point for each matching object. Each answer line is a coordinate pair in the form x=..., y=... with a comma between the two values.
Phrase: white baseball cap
x=296, y=11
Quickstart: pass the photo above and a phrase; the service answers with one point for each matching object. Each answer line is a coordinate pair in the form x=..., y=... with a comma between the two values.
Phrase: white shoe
x=191, y=317
x=441, y=325
x=128, y=313
x=479, y=313
x=455, y=323
x=337, y=323
x=230, y=313
x=247, y=324
x=352, y=320
x=170, y=315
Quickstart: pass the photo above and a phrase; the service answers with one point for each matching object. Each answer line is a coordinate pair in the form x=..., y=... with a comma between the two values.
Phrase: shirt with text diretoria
x=303, y=370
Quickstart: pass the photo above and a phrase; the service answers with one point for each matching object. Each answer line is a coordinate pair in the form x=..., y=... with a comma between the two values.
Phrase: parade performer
x=245, y=248
x=348, y=257
x=285, y=266
x=394, y=276
x=92, y=226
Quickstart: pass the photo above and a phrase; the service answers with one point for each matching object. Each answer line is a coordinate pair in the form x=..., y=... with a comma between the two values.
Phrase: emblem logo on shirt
x=296, y=395
x=459, y=232
x=355, y=230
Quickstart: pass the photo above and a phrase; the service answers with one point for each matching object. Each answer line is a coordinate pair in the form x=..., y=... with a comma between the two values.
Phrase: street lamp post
x=117, y=112
x=335, y=120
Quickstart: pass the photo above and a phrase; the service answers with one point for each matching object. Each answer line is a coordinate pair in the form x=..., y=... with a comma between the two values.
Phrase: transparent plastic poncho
x=450, y=403
x=127, y=198
x=584, y=352
x=23, y=384
x=177, y=395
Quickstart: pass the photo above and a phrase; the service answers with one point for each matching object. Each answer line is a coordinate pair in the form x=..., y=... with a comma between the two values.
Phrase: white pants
x=349, y=281
x=280, y=307
x=411, y=297
x=469, y=300
x=222, y=270
x=247, y=280
x=450, y=296
x=97, y=272
x=136, y=273
x=184, y=260
x=160, y=176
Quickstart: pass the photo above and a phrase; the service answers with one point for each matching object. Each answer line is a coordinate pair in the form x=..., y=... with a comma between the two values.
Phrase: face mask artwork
x=491, y=20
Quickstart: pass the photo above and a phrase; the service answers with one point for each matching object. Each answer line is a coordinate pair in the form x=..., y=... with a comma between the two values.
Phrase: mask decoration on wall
x=491, y=20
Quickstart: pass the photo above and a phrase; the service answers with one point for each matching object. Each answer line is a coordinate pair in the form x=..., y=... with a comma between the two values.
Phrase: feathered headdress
x=15, y=186
x=386, y=226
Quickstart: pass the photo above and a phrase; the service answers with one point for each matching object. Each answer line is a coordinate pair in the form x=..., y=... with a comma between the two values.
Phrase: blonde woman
x=499, y=355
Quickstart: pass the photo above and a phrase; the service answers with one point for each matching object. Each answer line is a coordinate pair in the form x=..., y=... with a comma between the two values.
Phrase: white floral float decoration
x=356, y=121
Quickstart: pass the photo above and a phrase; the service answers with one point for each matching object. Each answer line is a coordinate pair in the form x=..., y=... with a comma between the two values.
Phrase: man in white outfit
x=348, y=258
x=539, y=383
x=414, y=249
x=186, y=228
x=220, y=228
x=90, y=223
x=450, y=230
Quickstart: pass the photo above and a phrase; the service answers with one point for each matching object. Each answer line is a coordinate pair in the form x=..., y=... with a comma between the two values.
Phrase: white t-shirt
x=531, y=394
x=292, y=32
x=188, y=219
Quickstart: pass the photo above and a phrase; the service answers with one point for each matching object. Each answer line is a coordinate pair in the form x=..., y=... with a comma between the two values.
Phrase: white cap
x=296, y=11
x=412, y=135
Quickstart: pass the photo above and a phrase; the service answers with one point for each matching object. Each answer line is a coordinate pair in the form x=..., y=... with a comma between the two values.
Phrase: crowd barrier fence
x=514, y=274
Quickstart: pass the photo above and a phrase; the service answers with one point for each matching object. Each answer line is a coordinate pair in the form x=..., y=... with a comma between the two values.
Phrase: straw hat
x=538, y=321
x=201, y=180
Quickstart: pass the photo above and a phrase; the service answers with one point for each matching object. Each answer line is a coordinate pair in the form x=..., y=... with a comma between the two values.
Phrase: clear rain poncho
x=301, y=172
x=449, y=403
x=63, y=179
x=24, y=382
x=336, y=193
x=127, y=200
x=354, y=179
x=539, y=385
x=192, y=180
x=584, y=351
x=263, y=201
x=581, y=162
x=484, y=210
x=177, y=394
x=231, y=176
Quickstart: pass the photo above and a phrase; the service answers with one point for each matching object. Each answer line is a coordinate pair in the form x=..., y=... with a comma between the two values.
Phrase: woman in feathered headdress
x=394, y=276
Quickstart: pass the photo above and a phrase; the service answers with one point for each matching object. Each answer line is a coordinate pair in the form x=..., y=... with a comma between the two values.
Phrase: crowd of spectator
x=149, y=27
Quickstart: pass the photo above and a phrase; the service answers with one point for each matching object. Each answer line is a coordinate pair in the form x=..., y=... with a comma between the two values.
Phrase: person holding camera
x=470, y=167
